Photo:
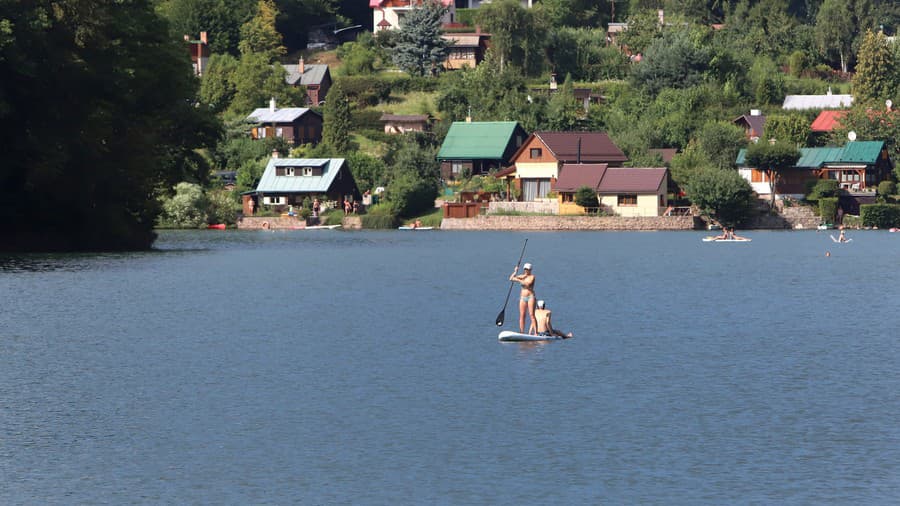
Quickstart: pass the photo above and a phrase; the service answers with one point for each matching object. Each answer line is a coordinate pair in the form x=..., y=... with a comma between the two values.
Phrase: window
x=273, y=201
x=279, y=132
x=758, y=176
x=307, y=171
x=535, y=152
x=533, y=189
x=628, y=199
x=289, y=171
x=456, y=168
x=261, y=132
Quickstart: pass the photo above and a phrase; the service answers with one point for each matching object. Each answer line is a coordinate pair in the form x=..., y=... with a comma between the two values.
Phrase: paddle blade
x=500, y=316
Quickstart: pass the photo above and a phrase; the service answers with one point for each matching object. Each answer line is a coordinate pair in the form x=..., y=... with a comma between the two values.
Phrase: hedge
x=383, y=221
x=828, y=208
x=880, y=215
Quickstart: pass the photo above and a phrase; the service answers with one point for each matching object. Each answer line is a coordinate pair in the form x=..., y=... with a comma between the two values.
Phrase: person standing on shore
x=526, y=296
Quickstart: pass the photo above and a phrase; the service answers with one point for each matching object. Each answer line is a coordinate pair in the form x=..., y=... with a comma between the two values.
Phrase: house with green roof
x=478, y=147
x=858, y=166
x=287, y=181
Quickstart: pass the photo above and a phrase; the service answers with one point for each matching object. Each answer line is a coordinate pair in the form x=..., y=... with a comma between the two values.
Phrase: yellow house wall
x=647, y=205
x=538, y=170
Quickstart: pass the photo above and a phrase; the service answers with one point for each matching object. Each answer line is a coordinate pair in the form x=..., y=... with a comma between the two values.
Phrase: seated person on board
x=544, y=327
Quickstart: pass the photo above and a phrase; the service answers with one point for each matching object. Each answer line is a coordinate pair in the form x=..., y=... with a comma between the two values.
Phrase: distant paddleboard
x=415, y=228
x=835, y=239
x=322, y=227
x=514, y=337
x=716, y=239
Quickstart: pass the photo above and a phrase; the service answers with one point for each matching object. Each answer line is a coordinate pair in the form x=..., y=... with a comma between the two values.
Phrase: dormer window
x=289, y=171
x=307, y=171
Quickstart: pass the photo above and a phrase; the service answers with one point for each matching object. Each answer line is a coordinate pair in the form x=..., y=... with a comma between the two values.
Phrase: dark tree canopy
x=96, y=102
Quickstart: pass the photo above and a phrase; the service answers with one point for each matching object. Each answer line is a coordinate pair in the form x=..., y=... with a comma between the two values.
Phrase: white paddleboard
x=415, y=228
x=322, y=227
x=508, y=336
x=835, y=239
x=713, y=239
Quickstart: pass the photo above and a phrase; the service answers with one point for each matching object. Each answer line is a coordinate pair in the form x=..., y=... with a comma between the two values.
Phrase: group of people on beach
x=536, y=309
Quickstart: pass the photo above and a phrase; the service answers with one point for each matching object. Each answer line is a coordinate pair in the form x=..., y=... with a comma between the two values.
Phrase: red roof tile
x=827, y=121
x=573, y=176
x=595, y=147
x=618, y=180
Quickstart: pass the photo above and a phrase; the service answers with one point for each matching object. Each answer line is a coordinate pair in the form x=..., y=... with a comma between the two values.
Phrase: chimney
x=272, y=104
x=274, y=153
x=301, y=68
x=469, y=115
x=755, y=112
x=203, y=38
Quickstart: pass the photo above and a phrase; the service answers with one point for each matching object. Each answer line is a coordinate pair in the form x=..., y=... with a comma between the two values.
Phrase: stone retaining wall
x=569, y=223
x=256, y=223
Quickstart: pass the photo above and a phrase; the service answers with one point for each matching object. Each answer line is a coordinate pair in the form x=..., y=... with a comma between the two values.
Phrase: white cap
x=540, y=304
x=527, y=266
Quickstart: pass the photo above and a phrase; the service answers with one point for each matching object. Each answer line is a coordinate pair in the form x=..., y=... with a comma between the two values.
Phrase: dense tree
x=217, y=88
x=91, y=131
x=256, y=80
x=790, y=128
x=361, y=57
x=413, y=178
x=583, y=53
x=563, y=110
x=721, y=141
x=877, y=72
x=835, y=30
x=517, y=34
x=368, y=171
x=676, y=60
x=773, y=159
x=187, y=208
x=643, y=30
x=259, y=35
x=722, y=194
x=337, y=120
x=420, y=49
x=221, y=19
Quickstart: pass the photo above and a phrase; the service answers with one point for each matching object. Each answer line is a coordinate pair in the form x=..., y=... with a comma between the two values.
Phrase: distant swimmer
x=544, y=326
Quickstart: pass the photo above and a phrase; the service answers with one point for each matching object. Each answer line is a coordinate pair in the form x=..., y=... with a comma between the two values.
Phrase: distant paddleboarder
x=526, y=296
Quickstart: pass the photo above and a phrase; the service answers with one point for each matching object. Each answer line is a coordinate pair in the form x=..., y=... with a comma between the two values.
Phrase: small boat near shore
x=216, y=226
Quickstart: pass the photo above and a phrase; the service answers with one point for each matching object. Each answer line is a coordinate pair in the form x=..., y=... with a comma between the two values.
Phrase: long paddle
x=502, y=314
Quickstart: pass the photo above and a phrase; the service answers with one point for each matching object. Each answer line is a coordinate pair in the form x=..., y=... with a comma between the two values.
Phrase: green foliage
x=413, y=178
x=379, y=221
x=217, y=88
x=337, y=119
x=368, y=171
x=835, y=27
x=880, y=215
x=828, y=208
x=586, y=196
x=222, y=207
x=259, y=35
x=720, y=141
x=823, y=188
x=563, y=111
x=877, y=75
x=790, y=128
x=767, y=81
x=365, y=91
x=256, y=80
x=688, y=164
x=723, y=194
x=362, y=57
x=517, y=34
x=583, y=53
x=676, y=60
x=797, y=63
x=420, y=50
x=187, y=208
x=99, y=110
x=249, y=173
x=332, y=217
x=222, y=19
x=887, y=188
x=778, y=156
x=643, y=30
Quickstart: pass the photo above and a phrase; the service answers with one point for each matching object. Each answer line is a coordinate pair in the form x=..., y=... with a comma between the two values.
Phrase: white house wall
x=537, y=170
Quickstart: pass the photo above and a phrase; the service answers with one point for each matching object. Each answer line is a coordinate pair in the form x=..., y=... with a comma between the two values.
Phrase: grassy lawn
x=414, y=102
x=432, y=219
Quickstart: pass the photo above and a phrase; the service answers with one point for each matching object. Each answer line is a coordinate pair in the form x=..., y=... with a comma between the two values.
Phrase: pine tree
x=420, y=50
x=259, y=35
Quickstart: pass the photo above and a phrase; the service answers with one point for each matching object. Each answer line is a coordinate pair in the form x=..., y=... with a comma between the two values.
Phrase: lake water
x=329, y=367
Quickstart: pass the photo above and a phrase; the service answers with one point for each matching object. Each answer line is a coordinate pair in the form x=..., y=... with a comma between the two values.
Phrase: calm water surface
x=334, y=367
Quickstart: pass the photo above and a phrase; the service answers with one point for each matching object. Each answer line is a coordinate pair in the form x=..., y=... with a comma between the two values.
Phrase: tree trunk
x=772, y=186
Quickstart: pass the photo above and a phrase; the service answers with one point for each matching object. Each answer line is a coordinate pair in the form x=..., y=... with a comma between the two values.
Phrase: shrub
x=187, y=208
x=886, y=188
x=366, y=90
x=382, y=221
x=880, y=215
x=586, y=197
x=332, y=217
x=828, y=208
x=824, y=188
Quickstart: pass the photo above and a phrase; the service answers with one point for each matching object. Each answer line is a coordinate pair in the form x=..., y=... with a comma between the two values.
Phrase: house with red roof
x=621, y=191
x=536, y=164
x=827, y=121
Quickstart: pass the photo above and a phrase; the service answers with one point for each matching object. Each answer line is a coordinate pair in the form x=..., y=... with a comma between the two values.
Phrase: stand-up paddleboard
x=508, y=336
x=716, y=239
x=415, y=228
x=322, y=227
x=835, y=239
